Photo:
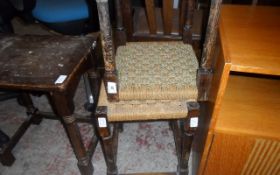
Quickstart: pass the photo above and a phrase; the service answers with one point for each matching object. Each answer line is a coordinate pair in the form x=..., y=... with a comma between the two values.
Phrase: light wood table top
x=250, y=37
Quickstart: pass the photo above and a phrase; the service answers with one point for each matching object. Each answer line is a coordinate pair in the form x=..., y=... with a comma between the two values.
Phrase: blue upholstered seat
x=55, y=11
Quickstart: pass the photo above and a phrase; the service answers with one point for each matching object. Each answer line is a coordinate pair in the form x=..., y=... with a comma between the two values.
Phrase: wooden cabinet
x=242, y=134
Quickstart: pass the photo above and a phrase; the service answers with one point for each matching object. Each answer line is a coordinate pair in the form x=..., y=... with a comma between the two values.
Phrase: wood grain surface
x=251, y=38
x=251, y=106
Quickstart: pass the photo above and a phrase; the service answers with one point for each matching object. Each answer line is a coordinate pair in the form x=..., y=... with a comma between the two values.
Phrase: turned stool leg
x=26, y=101
x=108, y=140
x=7, y=158
x=65, y=107
x=187, y=133
x=84, y=163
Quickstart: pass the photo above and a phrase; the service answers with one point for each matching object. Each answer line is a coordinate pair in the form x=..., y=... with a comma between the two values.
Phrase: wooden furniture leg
x=6, y=156
x=175, y=127
x=65, y=107
x=26, y=101
x=109, y=139
x=187, y=133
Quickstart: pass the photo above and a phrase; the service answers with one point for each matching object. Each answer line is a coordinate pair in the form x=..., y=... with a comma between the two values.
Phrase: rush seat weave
x=137, y=110
x=156, y=71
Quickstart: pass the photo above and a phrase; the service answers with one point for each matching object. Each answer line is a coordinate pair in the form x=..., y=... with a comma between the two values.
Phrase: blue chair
x=70, y=17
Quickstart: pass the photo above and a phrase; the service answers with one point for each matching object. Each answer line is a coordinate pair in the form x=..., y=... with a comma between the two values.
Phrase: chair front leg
x=187, y=127
x=109, y=139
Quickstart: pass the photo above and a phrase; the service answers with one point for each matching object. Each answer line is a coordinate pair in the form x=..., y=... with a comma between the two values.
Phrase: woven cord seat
x=139, y=110
x=157, y=71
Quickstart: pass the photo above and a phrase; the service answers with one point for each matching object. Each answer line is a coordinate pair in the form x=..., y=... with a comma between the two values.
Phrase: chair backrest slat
x=190, y=11
x=151, y=16
x=182, y=15
x=126, y=8
x=187, y=29
x=167, y=7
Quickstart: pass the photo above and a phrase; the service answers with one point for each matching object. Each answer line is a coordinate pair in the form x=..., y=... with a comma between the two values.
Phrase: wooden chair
x=145, y=81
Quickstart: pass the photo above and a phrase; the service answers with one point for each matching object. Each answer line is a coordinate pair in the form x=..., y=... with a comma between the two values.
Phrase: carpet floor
x=45, y=149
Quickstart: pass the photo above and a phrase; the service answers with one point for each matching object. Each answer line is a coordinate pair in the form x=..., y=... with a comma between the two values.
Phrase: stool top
x=41, y=62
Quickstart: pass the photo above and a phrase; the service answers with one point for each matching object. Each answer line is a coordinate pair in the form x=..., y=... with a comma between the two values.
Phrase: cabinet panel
x=236, y=154
x=228, y=154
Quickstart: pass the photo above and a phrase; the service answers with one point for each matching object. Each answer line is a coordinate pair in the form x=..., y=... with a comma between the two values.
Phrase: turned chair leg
x=109, y=139
x=183, y=134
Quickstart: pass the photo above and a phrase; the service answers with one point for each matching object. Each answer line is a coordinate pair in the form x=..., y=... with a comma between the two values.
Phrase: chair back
x=155, y=20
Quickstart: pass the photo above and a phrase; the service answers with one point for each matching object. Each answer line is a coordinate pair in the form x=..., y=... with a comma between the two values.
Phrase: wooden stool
x=51, y=65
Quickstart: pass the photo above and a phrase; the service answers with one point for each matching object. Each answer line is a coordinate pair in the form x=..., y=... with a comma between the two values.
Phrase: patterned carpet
x=45, y=149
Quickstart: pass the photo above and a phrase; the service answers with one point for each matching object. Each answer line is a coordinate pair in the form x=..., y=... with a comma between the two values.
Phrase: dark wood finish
x=30, y=108
x=15, y=51
x=187, y=32
x=167, y=16
x=127, y=17
x=211, y=35
x=182, y=15
x=187, y=135
x=120, y=33
x=119, y=20
x=101, y=114
x=165, y=23
x=65, y=108
x=109, y=140
x=107, y=47
x=106, y=36
x=141, y=27
x=151, y=16
x=36, y=66
x=6, y=155
x=7, y=158
x=204, y=78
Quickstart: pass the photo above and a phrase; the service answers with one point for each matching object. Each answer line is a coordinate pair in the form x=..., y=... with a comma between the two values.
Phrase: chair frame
x=183, y=133
x=108, y=132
